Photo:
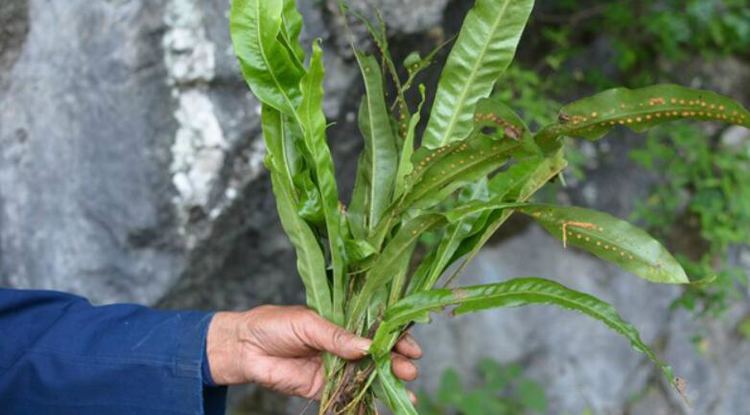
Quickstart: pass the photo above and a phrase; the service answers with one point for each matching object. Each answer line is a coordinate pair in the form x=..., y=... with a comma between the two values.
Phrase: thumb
x=323, y=335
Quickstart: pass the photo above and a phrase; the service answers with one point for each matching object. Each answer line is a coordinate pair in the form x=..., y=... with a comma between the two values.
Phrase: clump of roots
x=350, y=392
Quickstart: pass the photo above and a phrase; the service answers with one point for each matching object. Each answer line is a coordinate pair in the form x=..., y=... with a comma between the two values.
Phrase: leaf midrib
x=308, y=260
x=473, y=74
x=645, y=112
x=422, y=310
x=270, y=68
x=373, y=162
x=655, y=265
x=458, y=171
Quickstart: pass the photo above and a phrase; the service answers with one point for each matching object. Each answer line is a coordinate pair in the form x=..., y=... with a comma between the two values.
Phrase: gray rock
x=83, y=124
x=132, y=158
x=405, y=16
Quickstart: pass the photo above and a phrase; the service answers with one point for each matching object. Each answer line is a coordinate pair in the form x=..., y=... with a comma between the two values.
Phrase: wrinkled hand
x=280, y=348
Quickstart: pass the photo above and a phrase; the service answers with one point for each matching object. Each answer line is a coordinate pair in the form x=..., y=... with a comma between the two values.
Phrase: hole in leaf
x=489, y=130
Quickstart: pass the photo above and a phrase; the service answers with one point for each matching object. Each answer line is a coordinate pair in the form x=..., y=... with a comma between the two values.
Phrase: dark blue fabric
x=208, y=380
x=60, y=355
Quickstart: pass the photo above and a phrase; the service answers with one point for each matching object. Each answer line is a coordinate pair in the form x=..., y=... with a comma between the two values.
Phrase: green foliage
x=611, y=239
x=649, y=42
x=641, y=109
x=677, y=28
x=514, y=293
x=477, y=163
x=708, y=194
x=503, y=390
x=484, y=49
x=744, y=328
x=379, y=162
x=648, y=39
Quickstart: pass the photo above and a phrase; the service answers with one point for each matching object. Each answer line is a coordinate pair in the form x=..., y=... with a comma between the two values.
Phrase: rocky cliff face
x=131, y=170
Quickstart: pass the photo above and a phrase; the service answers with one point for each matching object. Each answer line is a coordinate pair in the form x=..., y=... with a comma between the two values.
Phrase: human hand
x=280, y=348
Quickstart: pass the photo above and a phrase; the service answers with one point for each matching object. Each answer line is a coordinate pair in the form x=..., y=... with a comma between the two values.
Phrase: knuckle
x=414, y=371
x=304, y=315
x=339, y=339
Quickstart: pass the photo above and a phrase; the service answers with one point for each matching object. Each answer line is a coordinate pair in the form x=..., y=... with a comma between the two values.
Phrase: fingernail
x=364, y=345
x=413, y=343
x=409, y=339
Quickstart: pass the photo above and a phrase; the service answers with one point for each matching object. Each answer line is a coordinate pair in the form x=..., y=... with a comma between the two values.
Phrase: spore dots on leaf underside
x=509, y=129
x=568, y=233
x=696, y=108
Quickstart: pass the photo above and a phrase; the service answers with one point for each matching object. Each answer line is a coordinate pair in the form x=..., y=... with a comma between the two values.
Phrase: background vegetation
x=699, y=203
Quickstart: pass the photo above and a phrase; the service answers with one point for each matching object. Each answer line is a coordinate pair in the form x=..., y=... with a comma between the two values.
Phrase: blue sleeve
x=61, y=355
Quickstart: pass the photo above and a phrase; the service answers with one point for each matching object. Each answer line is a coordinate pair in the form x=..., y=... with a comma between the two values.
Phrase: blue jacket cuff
x=59, y=354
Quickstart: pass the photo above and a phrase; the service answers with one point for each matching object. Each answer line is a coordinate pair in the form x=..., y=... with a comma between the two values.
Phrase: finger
x=403, y=368
x=412, y=397
x=409, y=347
x=313, y=378
x=314, y=389
x=323, y=335
x=303, y=377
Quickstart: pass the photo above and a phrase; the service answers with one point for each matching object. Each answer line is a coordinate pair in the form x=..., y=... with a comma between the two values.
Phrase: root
x=351, y=395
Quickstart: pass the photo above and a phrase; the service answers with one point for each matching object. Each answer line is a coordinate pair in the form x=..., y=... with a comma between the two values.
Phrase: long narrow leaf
x=282, y=156
x=360, y=201
x=611, y=239
x=390, y=261
x=513, y=293
x=449, y=168
x=393, y=389
x=313, y=123
x=405, y=165
x=310, y=261
x=518, y=184
x=641, y=109
x=266, y=64
x=483, y=51
x=380, y=141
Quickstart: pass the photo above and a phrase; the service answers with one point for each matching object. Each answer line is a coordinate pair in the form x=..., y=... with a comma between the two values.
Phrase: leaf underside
x=611, y=239
x=640, y=109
